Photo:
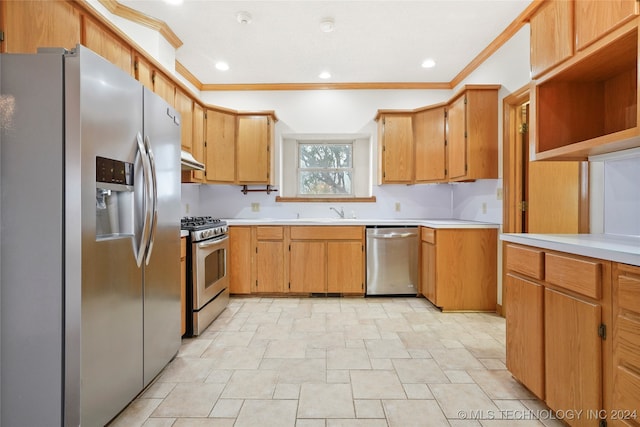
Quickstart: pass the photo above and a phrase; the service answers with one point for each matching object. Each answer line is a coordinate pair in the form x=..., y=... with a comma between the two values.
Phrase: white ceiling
x=373, y=41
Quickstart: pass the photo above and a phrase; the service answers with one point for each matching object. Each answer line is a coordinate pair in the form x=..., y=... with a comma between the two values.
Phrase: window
x=325, y=169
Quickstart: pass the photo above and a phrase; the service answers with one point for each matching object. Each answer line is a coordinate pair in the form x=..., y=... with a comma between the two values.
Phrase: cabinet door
x=239, y=260
x=197, y=144
x=525, y=332
x=308, y=267
x=481, y=131
x=270, y=267
x=144, y=72
x=573, y=355
x=551, y=35
x=220, y=147
x=626, y=343
x=29, y=25
x=106, y=44
x=430, y=151
x=345, y=267
x=594, y=18
x=397, y=149
x=184, y=105
x=457, y=138
x=428, y=271
x=164, y=87
x=253, y=150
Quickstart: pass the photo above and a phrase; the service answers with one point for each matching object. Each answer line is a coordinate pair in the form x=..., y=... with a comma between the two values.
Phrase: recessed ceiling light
x=244, y=18
x=327, y=25
x=428, y=63
x=174, y=2
x=222, y=66
x=325, y=75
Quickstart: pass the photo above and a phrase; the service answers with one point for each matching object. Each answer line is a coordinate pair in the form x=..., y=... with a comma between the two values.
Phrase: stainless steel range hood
x=189, y=163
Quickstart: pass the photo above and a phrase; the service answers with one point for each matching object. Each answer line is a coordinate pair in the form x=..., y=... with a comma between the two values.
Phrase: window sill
x=371, y=199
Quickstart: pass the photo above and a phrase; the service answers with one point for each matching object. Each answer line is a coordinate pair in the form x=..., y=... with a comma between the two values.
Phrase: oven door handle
x=209, y=243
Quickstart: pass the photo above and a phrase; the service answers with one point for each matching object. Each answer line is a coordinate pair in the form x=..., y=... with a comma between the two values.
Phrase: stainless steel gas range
x=207, y=275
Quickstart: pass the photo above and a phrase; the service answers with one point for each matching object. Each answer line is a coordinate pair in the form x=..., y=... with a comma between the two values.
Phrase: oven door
x=210, y=275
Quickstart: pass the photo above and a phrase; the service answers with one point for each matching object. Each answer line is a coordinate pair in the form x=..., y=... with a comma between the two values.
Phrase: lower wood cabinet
x=590, y=317
x=183, y=284
x=327, y=259
x=296, y=259
x=459, y=268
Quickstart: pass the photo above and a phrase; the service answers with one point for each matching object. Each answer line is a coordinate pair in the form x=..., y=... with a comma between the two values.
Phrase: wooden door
x=573, y=355
x=457, y=138
x=197, y=145
x=554, y=202
x=525, y=332
x=430, y=150
x=106, y=44
x=551, y=35
x=220, y=158
x=345, y=267
x=239, y=260
x=397, y=149
x=595, y=18
x=184, y=105
x=270, y=266
x=29, y=25
x=164, y=87
x=253, y=149
x=308, y=267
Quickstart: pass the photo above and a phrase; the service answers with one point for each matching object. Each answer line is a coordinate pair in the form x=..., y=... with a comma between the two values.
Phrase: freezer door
x=103, y=118
x=162, y=265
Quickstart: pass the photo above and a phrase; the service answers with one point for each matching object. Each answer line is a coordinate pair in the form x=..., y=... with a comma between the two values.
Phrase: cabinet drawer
x=583, y=276
x=528, y=261
x=183, y=247
x=321, y=232
x=428, y=235
x=270, y=233
x=629, y=293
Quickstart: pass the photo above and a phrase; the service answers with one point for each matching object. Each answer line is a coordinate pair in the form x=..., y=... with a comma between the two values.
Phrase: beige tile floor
x=330, y=362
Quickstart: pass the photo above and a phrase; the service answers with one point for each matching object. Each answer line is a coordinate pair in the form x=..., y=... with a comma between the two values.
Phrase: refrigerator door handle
x=140, y=246
x=154, y=195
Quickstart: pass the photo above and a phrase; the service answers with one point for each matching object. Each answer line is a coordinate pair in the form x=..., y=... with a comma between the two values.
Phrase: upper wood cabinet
x=143, y=72
x=589, y=104
x=551, y=29
x=595, y=18
x=220, y=152
x=197, y=144
x=29, y=25
x=472, y=138
x=165, y=87
x=254, y=141
x=106, y=44
x=429, y=139
x=184, y=105
x=395, y=148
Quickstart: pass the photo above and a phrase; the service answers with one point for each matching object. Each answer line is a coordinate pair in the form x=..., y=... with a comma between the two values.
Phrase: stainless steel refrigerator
x=90, y=238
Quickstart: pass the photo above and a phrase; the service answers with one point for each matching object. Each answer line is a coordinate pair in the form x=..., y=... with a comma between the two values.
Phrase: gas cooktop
x=200, y=222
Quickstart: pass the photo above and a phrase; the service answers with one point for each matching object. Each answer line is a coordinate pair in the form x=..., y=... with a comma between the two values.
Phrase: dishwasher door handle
x=392, y=235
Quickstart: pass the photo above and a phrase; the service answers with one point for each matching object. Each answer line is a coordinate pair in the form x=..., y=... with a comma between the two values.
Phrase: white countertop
x=624, y=249
x=433, y=223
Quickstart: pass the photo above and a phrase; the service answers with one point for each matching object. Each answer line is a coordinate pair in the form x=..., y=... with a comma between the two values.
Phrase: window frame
x=351, y=170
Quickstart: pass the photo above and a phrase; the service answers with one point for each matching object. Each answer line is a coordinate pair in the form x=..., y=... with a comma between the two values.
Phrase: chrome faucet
x=339, y=212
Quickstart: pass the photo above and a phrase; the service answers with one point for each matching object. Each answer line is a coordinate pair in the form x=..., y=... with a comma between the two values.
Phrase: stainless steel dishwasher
x=392, y=260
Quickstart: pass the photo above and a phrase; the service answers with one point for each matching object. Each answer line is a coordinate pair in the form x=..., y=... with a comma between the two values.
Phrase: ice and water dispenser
x=114, y=199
